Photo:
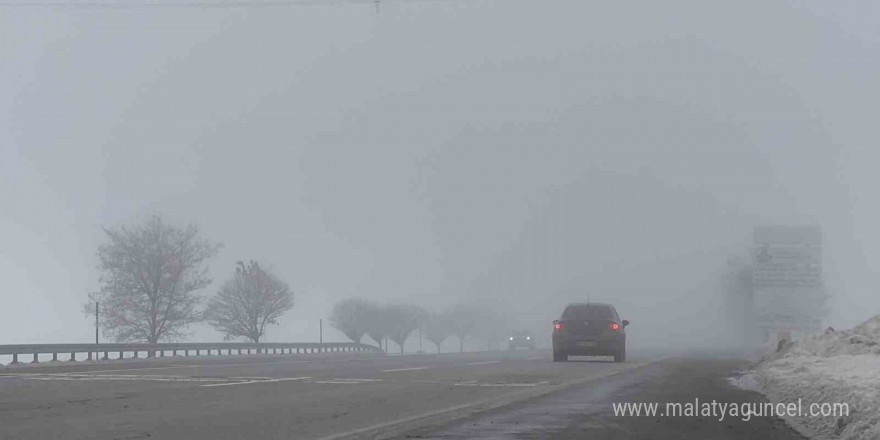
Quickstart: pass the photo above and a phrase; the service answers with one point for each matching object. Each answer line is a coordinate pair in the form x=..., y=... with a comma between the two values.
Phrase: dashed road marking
x=176, y=366
x=338, y=382
x=483, y=363
x=248, y=380
x=255, y=381
x=362, y=380
x=405, y=369
x=107, y=377
x=471, y=384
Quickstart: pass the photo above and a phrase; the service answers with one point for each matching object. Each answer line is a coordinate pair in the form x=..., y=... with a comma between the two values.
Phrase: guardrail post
x=72, y=357
x=121, y=355
x=54, y=357
x=106, y=356
x=136, y=354
x=90, y=356
x=14, y=359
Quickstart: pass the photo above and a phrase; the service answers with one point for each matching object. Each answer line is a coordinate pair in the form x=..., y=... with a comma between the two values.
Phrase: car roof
x=591, y=304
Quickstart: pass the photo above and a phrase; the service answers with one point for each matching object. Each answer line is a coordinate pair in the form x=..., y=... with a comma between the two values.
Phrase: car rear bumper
x=588, y=346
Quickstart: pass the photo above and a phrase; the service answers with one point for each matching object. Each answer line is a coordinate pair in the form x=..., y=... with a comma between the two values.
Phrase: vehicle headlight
x=528, y=338
x=511, y=338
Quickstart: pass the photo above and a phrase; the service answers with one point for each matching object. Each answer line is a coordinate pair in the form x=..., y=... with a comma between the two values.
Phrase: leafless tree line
x=358, y=317
x=151, y=274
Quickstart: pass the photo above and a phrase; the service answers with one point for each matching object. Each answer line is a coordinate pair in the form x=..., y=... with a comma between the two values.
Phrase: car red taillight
x=557, y=326
x=613, y=325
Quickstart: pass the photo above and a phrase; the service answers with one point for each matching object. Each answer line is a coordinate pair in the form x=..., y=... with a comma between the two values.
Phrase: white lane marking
x=361, y=380
x=405, y=369
x=92, y=377
x=340, y=382
x=250, y=378
x=483, y=363
x=171, y=367
x=254, y=381
x=468, y=384
x=125, y=369
x=420, y=420
x=535, y=358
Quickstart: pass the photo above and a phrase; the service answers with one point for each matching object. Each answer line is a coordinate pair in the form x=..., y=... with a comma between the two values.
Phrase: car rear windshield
x=588, y=312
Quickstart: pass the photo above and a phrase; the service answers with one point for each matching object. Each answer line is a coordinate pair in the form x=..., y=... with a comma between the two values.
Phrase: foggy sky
x=515, y=152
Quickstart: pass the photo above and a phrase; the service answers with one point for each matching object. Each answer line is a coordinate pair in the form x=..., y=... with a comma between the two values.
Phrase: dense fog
x=515, y=154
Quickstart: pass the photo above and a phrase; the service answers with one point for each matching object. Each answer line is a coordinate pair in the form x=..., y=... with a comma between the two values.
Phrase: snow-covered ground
x=834, y=367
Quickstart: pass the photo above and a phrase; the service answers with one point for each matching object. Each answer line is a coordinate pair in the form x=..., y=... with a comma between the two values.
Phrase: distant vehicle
x=522, y=340
x=589, y=329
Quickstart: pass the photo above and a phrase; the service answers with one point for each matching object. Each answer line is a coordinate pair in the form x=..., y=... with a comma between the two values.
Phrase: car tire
x=620, y=355
x=559, y=356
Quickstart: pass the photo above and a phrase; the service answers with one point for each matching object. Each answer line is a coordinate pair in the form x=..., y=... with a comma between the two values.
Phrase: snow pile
x=833, y=367
x=869, y=328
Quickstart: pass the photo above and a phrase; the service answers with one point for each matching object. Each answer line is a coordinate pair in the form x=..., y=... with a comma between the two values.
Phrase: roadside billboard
x=789, y=294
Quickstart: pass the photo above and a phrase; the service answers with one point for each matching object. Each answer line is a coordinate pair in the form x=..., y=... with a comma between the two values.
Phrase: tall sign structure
x=789, y=295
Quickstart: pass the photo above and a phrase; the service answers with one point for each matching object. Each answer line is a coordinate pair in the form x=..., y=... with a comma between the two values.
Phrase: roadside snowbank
x=834, y=367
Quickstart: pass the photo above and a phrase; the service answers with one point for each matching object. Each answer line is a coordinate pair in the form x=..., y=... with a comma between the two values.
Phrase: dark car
x=589, y=329
x=522, y=340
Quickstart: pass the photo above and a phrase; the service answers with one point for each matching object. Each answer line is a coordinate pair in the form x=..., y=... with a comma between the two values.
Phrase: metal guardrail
x=152, y=350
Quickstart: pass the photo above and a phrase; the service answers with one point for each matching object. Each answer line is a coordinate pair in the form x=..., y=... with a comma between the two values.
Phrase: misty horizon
x=418, y=155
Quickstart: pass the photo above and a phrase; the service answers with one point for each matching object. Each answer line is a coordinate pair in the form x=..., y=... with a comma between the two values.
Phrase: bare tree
x=402, y=320
x=378, y=325
x=247, y=303
x=437, y=329
x=464, y=319
x=150, y=274
x=351, y=317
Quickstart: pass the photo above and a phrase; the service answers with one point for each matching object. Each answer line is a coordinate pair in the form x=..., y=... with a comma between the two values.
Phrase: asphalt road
x=336, y=397
x=586, y=412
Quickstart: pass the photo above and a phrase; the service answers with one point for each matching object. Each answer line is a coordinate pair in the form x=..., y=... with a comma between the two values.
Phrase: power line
x=180, y=4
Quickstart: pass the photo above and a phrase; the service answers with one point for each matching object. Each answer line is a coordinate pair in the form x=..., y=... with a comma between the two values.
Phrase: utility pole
x=321, y=334
x=96, y=322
